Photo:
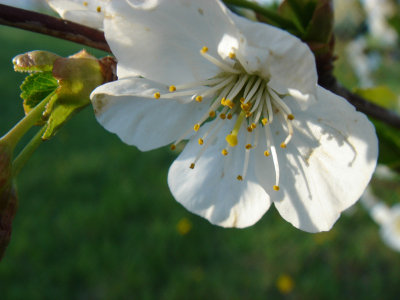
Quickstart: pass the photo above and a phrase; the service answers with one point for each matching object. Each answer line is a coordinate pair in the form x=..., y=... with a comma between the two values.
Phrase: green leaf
x=389, y=145
x=381, y=95
x=36, y=87
x=299, y=11
x=320, y=25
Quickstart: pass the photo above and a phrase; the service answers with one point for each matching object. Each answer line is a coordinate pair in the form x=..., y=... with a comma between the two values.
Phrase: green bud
x=35, y=61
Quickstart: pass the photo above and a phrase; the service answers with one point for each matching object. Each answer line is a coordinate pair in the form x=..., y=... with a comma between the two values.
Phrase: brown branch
x=45, y=24
x=371, y=109
x=84, y=35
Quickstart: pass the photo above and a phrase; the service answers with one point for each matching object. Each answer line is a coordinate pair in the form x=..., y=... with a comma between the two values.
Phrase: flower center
x=236, y=94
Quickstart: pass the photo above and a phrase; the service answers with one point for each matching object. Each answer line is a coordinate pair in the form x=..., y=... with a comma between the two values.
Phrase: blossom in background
x=387, y=218
x=245, y=96
x=89, y=13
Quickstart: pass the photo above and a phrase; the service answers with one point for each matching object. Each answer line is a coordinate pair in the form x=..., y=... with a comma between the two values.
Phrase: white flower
x=390, y=230
x=387, y=218
x=89, y=13
x=245, y=95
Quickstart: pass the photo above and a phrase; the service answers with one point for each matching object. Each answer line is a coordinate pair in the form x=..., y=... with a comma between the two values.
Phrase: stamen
x=259, y=112
x=173, y=147
x=253, y=90
x=290, y=117
x=238, y=86
x=248, y=87
x=269, y=108
x=264, y=121
x=218, y=63
x=239, y=177
x=85, y=3
x=246, y=155
x=196, y=127
x=98, y=9
x=224, y=152
x=192, y=165
x=266, y=153
x=199, y=98
x=219, y=86
x=270, y=141
x=211, y=114
x=200, y=141
x=231, y=55
x=229, y=116
x=208, y=82
x=172, y=88
x=278, y=101
x=276, y=187
x=258, y=99
x=290, y=129
x=157, y=95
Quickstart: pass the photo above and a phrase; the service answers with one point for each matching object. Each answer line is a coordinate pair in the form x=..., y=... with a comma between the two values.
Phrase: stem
x=268, y=13
x=15, y=134
x=27, y=152
x=45, y=24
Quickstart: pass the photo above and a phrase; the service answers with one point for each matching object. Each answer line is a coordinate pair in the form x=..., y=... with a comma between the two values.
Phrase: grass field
x=96, y=221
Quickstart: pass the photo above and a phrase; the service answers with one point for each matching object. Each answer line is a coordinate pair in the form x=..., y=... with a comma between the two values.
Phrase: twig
x=84, y=35
x=45, y=24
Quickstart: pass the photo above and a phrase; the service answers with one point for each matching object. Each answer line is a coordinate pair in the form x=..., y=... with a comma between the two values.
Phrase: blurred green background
x=96, y=221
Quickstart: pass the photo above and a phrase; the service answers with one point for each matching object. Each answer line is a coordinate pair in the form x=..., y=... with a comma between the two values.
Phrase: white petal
x=390, y=231
x=211, y=189
x=270, y=51
x=128, y=108
x=164, y=41
x=76, y=11
x=327, y=165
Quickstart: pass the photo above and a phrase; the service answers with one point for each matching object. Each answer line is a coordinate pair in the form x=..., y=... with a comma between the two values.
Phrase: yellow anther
x=276, y=188
x=290, y=117
x=249, y=146
x=239, y=177
x=222, y=116
x=196, y=127
x=201, y=142
x=172, y=88
x=229, y=103
x=264, y=121
x=232, y=139
x=232, y=55
x=85, y=3
x=242, y=100
x=283, y=145
x=204, y=49
x=248, y=114
x=98, y=9
x=173, y=147
x=211, y=114
x=223, y=101
x=224, y=152
x=249, y=129
x=157, y=95
x=266, y=153
x=253, y=125
x=199, y=98
x=229, y=116
x=192, y=166
x=245, y=106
